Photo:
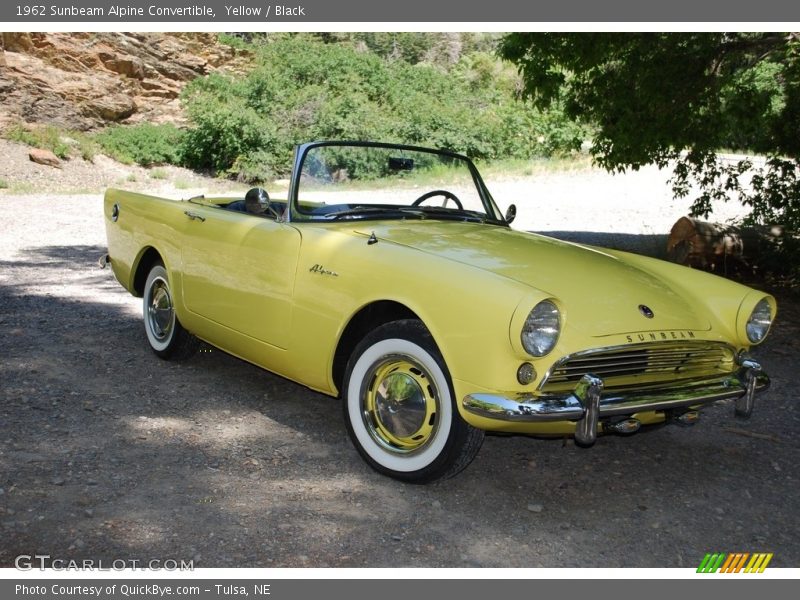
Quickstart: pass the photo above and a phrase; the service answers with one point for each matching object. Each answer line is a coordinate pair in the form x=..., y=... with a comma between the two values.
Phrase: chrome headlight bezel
x=541, y=329
x=759, y=322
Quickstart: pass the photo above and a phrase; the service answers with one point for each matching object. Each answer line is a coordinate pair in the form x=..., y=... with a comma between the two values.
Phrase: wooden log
x=708, y=246
x=727, y=250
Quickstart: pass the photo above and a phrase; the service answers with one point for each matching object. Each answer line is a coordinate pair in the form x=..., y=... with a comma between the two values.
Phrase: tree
x=677, y=99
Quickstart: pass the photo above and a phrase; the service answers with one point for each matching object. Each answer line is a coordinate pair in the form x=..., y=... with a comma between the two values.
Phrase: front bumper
x=587, y=404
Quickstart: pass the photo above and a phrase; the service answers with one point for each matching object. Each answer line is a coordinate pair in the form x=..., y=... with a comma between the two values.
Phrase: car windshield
x=341, y=181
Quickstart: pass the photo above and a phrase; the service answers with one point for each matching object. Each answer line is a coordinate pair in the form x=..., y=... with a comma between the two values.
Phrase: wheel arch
x=148, y=256
x=367, y=318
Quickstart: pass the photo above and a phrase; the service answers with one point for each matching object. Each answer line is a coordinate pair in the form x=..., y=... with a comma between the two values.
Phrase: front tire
x=399, y=406
x=167, y=337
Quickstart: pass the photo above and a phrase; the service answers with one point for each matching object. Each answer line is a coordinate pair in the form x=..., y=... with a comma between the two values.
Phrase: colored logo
x=735, y=562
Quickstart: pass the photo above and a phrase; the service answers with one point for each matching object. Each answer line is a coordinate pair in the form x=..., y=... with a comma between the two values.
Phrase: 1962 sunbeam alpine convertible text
x=389, y=277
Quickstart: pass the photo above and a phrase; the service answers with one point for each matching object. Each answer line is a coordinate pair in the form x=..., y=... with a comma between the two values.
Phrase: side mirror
x=511, y=213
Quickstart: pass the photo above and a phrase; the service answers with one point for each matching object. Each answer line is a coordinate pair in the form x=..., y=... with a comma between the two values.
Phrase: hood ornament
x=646, y=311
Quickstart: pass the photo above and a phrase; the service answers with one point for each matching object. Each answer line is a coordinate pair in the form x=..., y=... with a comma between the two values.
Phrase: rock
x=535, y=508
x=58, y=481
x=88, y=513
x=44, y=157
x=85, y=80
x=114, y=107
x=129, y=66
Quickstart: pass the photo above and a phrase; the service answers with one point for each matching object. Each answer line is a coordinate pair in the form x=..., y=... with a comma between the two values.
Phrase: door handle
x=194, y=215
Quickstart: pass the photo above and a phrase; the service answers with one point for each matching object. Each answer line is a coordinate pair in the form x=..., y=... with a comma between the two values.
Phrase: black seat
x=237, y=205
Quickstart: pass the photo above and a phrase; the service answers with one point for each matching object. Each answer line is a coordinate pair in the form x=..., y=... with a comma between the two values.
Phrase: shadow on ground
x=109, y=452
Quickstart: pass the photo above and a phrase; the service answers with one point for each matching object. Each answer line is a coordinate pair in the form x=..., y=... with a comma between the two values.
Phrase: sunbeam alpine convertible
x=388, y=277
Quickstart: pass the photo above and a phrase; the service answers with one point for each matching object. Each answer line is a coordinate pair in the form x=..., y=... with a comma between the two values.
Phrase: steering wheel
x=447, y=196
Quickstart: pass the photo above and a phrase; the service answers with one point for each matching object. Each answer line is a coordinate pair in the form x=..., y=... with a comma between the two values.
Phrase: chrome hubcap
x=400, y=405
x=160, y=312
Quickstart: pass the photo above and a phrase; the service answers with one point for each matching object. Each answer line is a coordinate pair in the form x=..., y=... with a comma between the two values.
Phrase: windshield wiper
x=364, y=211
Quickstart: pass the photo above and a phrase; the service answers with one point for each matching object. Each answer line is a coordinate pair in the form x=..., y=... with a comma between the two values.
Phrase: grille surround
x=642, y=365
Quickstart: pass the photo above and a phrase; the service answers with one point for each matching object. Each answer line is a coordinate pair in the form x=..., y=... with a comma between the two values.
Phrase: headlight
x=759, y=322
x=541, y=329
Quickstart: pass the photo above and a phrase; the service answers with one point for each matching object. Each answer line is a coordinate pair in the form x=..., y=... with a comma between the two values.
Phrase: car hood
x=600, y=293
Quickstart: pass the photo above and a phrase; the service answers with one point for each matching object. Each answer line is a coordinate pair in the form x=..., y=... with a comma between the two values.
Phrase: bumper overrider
x=587, y=405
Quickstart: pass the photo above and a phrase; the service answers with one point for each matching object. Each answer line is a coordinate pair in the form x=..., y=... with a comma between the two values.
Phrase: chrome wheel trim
x=385, y=455
x=399, y=404
x=160, y=312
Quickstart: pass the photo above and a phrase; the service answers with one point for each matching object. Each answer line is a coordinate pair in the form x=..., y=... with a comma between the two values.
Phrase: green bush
x=144, y=144
x=303, y=88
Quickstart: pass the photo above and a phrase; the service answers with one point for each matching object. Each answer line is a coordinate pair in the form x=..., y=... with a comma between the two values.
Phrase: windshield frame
x=294, y=214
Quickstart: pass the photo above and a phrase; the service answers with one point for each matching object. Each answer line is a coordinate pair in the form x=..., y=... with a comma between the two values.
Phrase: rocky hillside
x=83, y=81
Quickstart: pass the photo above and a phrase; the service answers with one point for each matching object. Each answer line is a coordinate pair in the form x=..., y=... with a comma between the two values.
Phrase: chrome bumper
x=587, y=403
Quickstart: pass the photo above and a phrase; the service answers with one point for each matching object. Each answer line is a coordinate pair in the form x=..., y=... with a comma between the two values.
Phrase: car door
x=239, y=271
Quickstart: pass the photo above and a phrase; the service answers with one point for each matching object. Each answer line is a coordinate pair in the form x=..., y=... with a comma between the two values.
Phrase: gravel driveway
x=107, y=452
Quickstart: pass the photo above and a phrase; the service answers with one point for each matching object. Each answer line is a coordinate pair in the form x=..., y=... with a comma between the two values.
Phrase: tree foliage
x=678, y=99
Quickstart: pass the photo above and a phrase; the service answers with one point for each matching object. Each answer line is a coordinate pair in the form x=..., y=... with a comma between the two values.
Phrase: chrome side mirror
x=511, y=213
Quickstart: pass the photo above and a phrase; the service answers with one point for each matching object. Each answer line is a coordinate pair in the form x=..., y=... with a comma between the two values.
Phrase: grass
x=511, y=168
x=46, y=137
x=61, y=142
x=182, y=184
x=158, y=174
x=23, y=187
x=234, y=41
x=87, y=146
x=3, y=184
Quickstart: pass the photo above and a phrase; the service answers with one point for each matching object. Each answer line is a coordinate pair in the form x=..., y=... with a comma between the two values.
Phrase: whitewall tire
x=399, y=406
x=166, y=335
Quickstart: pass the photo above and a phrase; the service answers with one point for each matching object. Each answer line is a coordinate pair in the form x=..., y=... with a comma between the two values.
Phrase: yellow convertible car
x=388, y=277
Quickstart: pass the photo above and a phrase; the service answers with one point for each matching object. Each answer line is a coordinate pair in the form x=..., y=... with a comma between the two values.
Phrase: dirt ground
x=107, y=452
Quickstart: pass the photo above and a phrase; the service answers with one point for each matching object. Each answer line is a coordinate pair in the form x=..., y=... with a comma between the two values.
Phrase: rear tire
x=167, y=337
x=400, y=409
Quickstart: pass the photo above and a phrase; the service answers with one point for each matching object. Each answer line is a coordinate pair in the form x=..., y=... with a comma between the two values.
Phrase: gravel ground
x=107, y=452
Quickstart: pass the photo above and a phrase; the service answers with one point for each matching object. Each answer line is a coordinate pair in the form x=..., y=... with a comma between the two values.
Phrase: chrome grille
x=643, y=363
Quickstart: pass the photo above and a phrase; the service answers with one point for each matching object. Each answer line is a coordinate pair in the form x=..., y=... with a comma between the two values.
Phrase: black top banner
x=408, y=11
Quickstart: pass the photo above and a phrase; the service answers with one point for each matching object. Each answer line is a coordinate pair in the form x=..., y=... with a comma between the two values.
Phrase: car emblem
x=322, y=270
x=645, y=310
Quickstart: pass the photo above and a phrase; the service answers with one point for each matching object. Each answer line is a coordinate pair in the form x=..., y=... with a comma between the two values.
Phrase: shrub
x=145, y=144
x=303, y=88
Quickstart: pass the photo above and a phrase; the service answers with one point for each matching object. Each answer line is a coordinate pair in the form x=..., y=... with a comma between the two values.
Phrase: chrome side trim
x=574, y=406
